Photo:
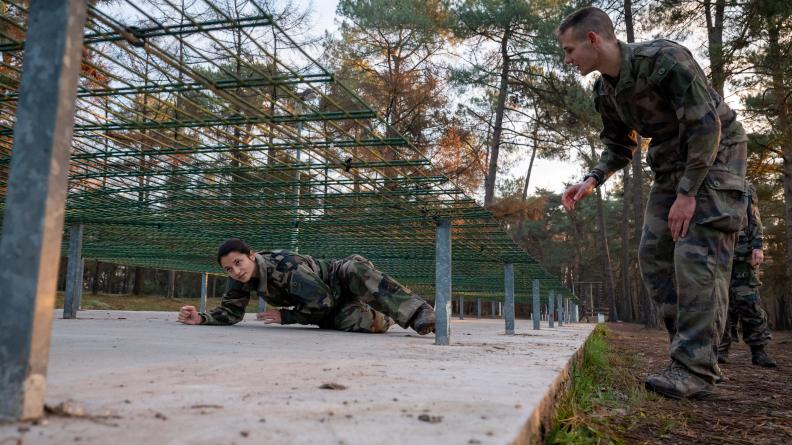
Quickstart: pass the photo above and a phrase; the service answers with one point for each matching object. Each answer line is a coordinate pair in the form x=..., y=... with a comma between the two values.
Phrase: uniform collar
x=625, y=73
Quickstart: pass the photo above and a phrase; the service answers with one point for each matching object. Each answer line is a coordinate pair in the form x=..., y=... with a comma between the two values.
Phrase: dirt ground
x=754, y=405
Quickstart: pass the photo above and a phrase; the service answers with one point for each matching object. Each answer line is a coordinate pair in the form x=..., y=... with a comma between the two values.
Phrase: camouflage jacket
x=663, y=94
x=284, y=280
x=750, y=235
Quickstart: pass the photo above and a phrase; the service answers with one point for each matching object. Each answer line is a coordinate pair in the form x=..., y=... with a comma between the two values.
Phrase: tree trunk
x=171, y=284
x=784, y=129
x=626, y=299
x=715, y=42
x=95, y=281
x=138, y=284
x=607, y=266
x=503, y=91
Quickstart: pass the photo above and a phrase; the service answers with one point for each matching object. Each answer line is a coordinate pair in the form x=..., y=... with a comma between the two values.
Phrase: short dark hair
x=585, y=20
x=232, y=245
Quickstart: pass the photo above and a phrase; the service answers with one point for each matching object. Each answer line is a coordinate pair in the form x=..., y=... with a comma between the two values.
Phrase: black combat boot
x=423, y=321
x=677, y=382
x=760, y=358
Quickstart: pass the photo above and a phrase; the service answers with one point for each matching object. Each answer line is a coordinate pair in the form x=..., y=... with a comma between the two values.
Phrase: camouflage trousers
x=689, y=278
x=745, y=309
x=369, y=300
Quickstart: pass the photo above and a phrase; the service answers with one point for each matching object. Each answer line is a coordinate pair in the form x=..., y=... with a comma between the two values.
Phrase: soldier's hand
x=757, y=257
x=680, y=215
x=576, y=192
x=189, y=315
x=272, y=316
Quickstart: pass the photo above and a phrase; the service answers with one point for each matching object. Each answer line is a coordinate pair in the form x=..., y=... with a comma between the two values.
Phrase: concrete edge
x=539, y=422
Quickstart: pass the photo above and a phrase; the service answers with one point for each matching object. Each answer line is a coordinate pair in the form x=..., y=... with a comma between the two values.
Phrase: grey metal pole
x=461, y=307
x=71, y=298
x=494, y=309
x=478, y=307
x=443, y=283
x=591, y=297
x=561, y=311
x=262, y=305
x=30, y=244
x=508, y=287
x=551, y=308
x=537, y=315
x=204, y=288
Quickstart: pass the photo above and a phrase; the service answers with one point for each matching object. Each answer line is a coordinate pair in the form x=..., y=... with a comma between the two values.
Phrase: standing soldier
x=744, y=303
x=698, y=154
x=347, y=295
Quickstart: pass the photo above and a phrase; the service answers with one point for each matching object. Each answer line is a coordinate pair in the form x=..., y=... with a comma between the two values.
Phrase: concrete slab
x=143, y=378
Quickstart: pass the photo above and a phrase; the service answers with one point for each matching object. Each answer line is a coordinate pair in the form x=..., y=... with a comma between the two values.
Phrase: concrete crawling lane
x=140, y=377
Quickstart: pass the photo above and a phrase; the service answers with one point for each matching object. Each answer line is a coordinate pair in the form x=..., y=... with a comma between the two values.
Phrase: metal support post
x=478, y=307
x=71, y=298
x=204, y=289
x=536, y=313
x=262, y=305
x=494, y=309
x=560, y=302
x=461, y=307
x=30, y=244
x=551, y=308
x=500, y=309
x=443, y=283
x=508, y=287
x=575, y=315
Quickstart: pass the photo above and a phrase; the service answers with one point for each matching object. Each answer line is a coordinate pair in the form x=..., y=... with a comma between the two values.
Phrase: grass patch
x=602, y=401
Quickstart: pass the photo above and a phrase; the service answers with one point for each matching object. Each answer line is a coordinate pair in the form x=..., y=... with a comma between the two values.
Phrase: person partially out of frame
x=348, y=294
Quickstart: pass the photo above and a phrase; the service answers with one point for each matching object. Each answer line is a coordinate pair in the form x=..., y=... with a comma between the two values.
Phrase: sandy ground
x=140, y=377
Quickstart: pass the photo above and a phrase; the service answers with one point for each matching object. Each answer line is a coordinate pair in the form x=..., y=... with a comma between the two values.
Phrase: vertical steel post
x=30, y=245
x=536, y=315
x=262, y=305
x=561, y=311
x=71, y=297
x=551, y=308
x=443, y=282
x=591, y=296
x=494, y=309
x=204, y=289
x=478, y=307
x=461, y=307
x=508, y=287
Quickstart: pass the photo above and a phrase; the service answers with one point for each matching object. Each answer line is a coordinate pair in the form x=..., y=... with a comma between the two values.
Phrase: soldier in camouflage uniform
x=744, y=302
x=698, y=154
x=348, y=295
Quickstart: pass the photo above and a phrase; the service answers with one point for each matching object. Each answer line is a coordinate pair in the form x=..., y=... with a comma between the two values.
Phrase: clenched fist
x=189, y=315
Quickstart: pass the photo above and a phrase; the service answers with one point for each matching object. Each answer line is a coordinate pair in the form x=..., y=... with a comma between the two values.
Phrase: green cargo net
x=195, y=125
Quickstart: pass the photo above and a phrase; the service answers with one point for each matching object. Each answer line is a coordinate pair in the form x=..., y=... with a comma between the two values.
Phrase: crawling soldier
x=347, y=295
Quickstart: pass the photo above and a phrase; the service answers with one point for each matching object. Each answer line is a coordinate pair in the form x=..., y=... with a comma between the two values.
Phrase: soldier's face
x=581, y=53
x=239, y=266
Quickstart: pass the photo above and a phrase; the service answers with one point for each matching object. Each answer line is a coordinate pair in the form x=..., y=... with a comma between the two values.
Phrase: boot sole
x=765, y=366
x=698, y=395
